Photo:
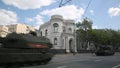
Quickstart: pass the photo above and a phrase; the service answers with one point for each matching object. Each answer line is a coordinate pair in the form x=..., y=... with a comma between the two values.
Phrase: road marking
x=62, y=67
x=117, y=66
x=97, y=60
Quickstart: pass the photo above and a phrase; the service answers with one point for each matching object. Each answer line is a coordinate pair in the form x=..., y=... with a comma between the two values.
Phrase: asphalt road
x=83, y=60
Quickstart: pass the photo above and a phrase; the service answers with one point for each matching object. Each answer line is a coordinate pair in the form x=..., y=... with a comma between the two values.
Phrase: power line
x=62, y=4
x=86, y=9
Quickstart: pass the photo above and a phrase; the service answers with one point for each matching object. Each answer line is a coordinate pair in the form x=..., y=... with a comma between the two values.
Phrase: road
x=83, y=60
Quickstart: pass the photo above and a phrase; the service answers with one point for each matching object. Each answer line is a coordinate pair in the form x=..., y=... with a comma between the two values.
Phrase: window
x=41, y=33
x=64, y=29
x=70, y=30
x=46, y=32
x=55, y=26
x=55, y=41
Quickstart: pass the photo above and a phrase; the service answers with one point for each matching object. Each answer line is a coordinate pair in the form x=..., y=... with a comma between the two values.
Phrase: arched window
x=46, y=32
x=55, y=25
x=55, y=41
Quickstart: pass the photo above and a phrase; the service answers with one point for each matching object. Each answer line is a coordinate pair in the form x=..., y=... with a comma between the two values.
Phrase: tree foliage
x=83, y=28
x=85, y=33
x=85, y=25
x=101, y=37
x=106, y=37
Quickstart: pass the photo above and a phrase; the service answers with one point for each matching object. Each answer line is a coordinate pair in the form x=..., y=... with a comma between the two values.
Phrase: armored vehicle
x=20, y=49
x=104, y=50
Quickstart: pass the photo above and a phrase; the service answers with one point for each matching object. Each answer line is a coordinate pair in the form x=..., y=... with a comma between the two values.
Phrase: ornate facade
x=61, y=32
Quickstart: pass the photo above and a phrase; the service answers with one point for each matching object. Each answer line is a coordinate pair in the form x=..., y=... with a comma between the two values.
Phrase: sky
x=103, y=13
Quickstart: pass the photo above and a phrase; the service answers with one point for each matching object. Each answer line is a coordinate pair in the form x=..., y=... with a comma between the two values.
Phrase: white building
x=61, y=32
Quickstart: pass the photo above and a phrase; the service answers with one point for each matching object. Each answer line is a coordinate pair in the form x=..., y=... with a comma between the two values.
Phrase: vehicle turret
x=15, y=40
x=21, y=49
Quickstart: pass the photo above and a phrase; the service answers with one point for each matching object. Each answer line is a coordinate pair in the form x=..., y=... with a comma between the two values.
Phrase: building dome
x=56, y=17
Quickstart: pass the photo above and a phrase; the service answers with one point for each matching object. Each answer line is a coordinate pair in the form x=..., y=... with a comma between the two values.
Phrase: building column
x=75, y=37
x=67, y=45
x=75, y=47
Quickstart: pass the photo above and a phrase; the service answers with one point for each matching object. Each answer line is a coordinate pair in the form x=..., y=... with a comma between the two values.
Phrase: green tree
x=102, y=36
x=115, y=40
x=85, y=25
x=85, y=34
x=83, y=31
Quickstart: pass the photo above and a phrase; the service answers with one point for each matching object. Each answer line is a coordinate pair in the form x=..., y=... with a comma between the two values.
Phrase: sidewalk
x=71, y=57
x=81, y=54
x=78, y=56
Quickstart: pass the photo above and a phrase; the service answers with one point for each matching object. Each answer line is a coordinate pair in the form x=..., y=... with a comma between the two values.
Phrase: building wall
x=20, y=28
x=3, y=31
x=58, y=28
x=11, y=28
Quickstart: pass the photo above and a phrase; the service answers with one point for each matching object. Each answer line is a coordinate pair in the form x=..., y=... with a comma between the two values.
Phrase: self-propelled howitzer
x=20, y=49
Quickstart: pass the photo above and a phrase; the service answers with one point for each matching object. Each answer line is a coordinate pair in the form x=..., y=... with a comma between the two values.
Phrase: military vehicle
x=104, y=50
x=24, y=49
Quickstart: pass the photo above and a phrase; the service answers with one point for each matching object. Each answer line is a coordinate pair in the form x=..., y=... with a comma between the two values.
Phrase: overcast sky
x=103, y=13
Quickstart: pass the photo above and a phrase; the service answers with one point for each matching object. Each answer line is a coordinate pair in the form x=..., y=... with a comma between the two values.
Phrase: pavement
x=82, y=60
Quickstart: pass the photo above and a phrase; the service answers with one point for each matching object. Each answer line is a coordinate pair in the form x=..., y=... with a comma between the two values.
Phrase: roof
x=45, y=25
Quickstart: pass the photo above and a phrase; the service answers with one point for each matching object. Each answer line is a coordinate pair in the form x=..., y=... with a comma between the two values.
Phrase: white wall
x=62, y=38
